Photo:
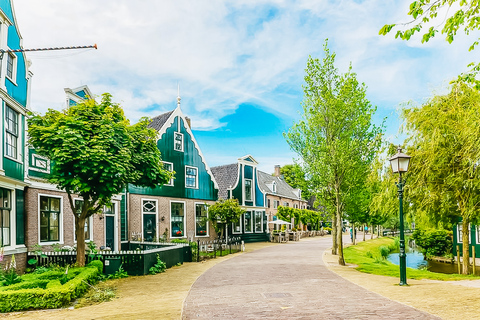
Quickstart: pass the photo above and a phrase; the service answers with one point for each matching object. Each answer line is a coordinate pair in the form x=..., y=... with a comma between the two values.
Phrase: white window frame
x=60, y=220
x=184, y=219
x=275, y=204
x=171, y=182
x=149, y=212
x=251, y=189
x=175, y=140
x=36, y=157
x=274, y=187
x=240, y=219
x=261, y=221
x=208, y=221
x=13, y=226
x=196, y=177
x=13, y=78
x=115, y=225
x=90, y=220
x=252, y=224
x=459, y=234
x=17, y=137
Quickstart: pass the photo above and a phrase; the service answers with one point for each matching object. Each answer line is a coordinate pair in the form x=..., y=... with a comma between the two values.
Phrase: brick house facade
x=279, y=193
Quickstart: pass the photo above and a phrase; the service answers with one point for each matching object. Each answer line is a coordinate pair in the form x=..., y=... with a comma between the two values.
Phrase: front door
x=149, y=227
x=110, y=232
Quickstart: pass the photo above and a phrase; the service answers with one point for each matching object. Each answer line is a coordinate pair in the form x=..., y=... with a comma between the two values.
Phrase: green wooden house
x=474, y=237
x=178, y=209
x=14, y=104
x=240, y=181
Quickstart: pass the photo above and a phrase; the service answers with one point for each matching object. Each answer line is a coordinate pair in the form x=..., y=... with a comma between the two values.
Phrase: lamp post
x=399, y=164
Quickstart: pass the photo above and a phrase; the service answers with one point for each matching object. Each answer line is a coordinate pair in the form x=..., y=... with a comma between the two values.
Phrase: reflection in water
x=415, y=261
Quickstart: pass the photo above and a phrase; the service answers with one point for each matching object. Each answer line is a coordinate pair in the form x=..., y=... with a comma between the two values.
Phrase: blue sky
x=240, y=64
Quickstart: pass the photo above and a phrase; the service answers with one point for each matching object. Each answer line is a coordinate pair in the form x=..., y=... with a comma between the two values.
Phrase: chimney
x=189, y=122
x=277, y=171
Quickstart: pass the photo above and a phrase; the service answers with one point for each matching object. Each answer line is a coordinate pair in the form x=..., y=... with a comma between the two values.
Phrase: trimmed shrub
x=26, y=285
x=55, y=295
x=97, y=264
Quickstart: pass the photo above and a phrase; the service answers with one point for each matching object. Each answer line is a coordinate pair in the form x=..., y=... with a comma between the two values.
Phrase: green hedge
x=30, y=294
x=434, y=242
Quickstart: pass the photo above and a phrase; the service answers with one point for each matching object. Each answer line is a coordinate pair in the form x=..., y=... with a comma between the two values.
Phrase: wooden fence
x=135, y=262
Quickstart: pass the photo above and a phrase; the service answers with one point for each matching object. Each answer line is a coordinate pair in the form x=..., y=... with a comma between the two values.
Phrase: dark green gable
x=190, y=156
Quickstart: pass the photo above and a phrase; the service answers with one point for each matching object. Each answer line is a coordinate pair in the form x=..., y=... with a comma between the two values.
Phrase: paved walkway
x=288, y=281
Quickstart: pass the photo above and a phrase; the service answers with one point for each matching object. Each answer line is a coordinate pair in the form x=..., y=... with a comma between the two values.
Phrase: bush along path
x=45, y=289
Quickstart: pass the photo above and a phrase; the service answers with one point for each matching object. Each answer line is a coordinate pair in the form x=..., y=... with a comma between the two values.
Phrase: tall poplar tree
x=335, y=137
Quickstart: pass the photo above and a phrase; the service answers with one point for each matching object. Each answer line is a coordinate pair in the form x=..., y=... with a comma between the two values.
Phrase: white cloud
x=224, y=53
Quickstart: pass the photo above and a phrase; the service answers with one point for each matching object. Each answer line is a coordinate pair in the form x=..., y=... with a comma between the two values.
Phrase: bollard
x=458, y=258
x=473, y=255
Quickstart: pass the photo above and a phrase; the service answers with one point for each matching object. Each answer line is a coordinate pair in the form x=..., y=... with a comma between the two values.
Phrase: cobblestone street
x=287, y=281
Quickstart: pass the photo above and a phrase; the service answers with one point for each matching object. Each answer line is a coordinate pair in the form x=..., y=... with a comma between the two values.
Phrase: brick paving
x=288, y=281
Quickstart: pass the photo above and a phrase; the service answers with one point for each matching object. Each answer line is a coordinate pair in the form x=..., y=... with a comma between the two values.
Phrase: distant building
x=279, y=193
x=241, y=181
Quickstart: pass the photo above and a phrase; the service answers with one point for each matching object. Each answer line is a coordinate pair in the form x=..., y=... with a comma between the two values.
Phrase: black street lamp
x=399, y=163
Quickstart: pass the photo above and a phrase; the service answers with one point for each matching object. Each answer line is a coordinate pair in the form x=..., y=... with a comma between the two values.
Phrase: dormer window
x=274, y=187
x=178, y=142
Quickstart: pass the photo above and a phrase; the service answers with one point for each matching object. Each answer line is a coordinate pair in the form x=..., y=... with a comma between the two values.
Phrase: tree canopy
x=445, y=16
x=443, y=137
x=295, y=177
x=335, y=137
x=223, y=213
x=95, y=153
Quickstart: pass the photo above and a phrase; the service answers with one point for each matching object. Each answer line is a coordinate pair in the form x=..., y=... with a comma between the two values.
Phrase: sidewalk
x=445, y=299
x=288, y=281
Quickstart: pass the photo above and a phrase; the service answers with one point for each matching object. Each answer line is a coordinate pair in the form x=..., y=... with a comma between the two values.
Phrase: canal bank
x=446, y=299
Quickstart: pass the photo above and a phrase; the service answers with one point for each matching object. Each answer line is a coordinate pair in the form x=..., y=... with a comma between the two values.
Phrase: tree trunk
x=364, y=233
x=334, y=234
x=372, y=232
x=354, y=234
x=466, y=245
x=80, y=233
x=341, y=260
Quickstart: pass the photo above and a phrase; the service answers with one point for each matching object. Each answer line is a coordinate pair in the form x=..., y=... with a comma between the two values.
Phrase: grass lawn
x=359, y=255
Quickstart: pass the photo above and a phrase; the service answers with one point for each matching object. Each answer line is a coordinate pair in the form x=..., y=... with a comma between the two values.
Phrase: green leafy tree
x=295, y=177
x=445, y=16
x=95, y=153
x=335, y=137
x=444, y=180
x=383, y=207
x=223, y=213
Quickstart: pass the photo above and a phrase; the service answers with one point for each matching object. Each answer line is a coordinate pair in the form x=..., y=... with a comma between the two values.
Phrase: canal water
x=415, y=260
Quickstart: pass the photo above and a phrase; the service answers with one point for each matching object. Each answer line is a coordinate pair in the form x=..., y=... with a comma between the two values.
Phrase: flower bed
x=51, y=289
